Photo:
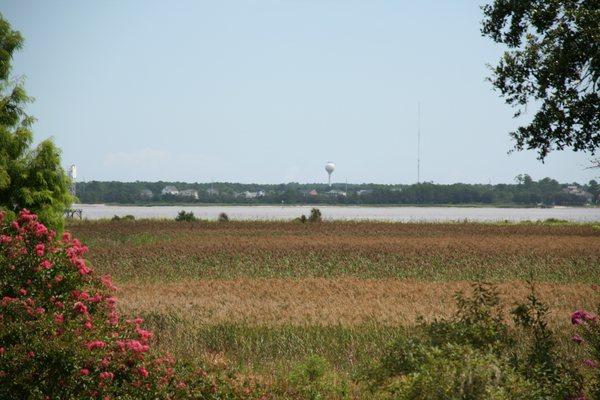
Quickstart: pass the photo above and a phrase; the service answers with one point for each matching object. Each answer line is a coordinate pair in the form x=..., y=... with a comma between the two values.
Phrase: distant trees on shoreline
x=525, y=191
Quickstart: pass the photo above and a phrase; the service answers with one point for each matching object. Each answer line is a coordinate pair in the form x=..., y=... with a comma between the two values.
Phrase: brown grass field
x=263, y=293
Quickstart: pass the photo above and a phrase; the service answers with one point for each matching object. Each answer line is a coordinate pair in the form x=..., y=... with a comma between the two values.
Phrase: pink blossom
x=84, y=371
x=30, y=354
x=46, y=264
x=111, y=302
x=2, y=350
x=95, y=344
x=143, y=372
x=107, y=281
x=40, y=230
x=590, y=363
x=88, y=325
x=7, y=300
x=4, y=239
x=39, y=249
x=96, y=298
x=26, y=215
x=22, y=292
x=106, y=375
x=113, y=318
x=144, y=334
x=59, y=318
x=134, y=345
x=80, y=307
x=577, y=339
x=581, y=316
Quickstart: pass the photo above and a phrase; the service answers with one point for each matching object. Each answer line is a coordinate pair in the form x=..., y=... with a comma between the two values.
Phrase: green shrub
x=309, y=380
x=223, y=217
x=478, y=322
x=461, y=372
x=315, y=215
x=128, y=217
x=476, y=355
x=185, y=216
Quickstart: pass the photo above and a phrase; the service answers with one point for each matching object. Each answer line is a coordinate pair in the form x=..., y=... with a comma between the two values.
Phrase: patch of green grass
x=264, y=348
x=172, y=268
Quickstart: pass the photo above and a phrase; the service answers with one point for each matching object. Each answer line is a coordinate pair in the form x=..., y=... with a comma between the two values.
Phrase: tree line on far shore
x=525, y=191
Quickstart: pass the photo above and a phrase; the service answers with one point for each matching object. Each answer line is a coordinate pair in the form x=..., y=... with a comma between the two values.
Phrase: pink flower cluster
x=581, y=316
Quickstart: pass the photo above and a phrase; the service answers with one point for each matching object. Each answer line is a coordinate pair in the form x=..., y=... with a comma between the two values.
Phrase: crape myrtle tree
x=30, y=178
x=553, y=59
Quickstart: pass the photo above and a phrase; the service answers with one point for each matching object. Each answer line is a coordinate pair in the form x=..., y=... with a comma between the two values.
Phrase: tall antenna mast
x=419, y=142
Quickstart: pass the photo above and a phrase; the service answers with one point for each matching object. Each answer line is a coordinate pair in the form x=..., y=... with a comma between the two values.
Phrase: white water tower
x=72, y=172
x=329, y=167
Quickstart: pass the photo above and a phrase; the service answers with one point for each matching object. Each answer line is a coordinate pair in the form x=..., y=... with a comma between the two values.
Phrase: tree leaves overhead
x=29, y=178
x=553, y=60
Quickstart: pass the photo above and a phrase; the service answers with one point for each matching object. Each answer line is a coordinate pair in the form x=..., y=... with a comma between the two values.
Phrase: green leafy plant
x=315, y=215
x=223, y=217
x=29, y=177
x=185, y=216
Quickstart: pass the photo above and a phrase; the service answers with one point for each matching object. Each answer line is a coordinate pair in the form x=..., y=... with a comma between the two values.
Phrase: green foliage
x=29, y=178
x=302, y=219
x=540, y=361
x=223, y=217
x=475, y=355
x=553, y=59
x=526, y=191
x=127, y=217
x=460, y=372
x=309, y=381
x=478, y=321
x=315, y=215
x=185, y=216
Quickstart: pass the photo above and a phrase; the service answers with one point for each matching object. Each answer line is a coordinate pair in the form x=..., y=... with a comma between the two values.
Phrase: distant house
x=191, y=193
x=253, y=195
x=578, y=191
x=313, y=193
x=212, y=192
x=364, y=192
x=146, y=194
x=336, y=193
x=172, y=190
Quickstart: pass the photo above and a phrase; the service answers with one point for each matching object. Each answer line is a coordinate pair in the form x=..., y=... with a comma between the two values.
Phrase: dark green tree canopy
x=554, y=61
x=29, y=178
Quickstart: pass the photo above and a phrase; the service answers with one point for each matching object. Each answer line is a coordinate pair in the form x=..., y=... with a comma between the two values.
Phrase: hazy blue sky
x=268, y=91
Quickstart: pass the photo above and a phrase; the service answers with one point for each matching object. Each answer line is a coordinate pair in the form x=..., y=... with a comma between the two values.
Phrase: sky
x=268, y=91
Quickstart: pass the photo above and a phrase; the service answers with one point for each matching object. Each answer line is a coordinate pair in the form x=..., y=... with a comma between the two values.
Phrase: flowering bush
x=61, y=335
x=588, y=327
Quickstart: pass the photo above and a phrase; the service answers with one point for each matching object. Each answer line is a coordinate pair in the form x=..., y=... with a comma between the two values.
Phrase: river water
x=401, y=214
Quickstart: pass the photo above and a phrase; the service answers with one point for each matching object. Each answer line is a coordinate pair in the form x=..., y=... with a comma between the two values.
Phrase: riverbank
x=357, y=213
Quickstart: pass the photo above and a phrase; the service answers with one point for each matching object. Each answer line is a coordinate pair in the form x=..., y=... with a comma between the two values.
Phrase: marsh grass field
x=261, y=296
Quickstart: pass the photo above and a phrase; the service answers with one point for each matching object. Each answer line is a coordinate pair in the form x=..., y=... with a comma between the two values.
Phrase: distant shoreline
x=473, y=205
